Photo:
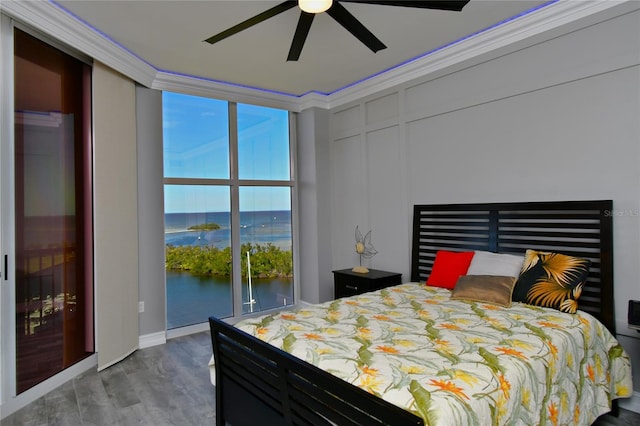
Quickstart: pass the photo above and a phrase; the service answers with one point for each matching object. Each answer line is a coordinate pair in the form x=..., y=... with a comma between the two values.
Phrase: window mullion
x=235, y=210
x=293, y=155
x=247, y=182
x=239, y=182
x=195, y=181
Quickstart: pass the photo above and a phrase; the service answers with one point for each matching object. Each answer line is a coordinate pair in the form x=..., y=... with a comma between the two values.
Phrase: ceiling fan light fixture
x=314, y=6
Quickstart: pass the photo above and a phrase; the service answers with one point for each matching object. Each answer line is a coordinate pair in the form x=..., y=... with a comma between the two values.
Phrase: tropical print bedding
x=457, y=362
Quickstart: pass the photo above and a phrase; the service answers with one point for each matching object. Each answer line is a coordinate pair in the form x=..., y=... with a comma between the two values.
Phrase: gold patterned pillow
x=552, y=280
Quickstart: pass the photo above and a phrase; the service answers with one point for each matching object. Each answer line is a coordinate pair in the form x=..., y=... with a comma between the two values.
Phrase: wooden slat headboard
x=577, y=228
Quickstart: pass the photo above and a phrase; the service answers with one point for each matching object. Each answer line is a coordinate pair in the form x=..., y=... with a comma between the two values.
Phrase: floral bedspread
x=455, y=362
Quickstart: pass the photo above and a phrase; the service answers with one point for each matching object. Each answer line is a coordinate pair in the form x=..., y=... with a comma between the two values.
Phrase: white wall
x=555, y=121
x=314, y=205
x=151, y=269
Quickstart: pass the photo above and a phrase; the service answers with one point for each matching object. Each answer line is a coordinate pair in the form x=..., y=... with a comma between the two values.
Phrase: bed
x=413, y=354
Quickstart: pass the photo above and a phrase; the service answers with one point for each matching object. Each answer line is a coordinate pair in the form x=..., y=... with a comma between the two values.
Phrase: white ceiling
x=169, y=36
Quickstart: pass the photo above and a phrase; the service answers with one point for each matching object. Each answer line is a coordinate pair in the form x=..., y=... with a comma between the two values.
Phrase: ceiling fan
x=309, y=9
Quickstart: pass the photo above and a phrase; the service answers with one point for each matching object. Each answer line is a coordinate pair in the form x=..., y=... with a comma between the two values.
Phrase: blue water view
x=191, y=299
x=260, y=227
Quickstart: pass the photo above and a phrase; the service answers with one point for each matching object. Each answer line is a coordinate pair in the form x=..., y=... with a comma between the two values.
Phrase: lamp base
x=360, y=269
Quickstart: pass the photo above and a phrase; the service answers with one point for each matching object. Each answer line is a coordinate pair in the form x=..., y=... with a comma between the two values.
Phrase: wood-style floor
x=162, y=385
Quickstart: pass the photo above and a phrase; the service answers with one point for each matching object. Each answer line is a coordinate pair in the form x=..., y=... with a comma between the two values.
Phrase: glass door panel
x=266, y=248
x=198, y=253
x=54, y=279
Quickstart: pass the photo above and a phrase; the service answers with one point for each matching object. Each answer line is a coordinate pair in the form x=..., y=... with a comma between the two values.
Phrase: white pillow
x=488, y=263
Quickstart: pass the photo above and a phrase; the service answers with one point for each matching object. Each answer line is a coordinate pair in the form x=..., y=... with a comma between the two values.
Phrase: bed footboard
x=257, y=383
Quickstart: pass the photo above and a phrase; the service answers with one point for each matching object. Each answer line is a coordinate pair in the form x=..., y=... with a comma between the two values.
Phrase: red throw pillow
x=448, y=267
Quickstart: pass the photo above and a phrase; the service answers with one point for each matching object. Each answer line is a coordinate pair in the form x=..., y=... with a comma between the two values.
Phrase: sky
x=196, y=145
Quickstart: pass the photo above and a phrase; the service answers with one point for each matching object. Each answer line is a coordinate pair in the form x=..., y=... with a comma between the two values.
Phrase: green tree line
x=204, y=227
x=267, y=261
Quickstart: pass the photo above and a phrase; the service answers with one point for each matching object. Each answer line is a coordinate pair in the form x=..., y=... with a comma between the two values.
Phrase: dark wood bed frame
x=257, y=383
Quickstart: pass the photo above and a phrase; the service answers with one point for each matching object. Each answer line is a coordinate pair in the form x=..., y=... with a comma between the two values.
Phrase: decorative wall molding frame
x=550, y=21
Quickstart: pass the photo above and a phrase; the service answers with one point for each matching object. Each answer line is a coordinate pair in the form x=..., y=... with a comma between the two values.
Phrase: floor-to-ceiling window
x=52, y=210
x=228, y=208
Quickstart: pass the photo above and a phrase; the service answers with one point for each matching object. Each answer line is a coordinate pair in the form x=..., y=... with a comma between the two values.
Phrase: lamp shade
x=314, y=6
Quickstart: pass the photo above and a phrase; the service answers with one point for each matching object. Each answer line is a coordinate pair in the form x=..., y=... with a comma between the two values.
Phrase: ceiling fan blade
x=302, y=30
x=284, y=6
x=434, y=4
x=348, y=21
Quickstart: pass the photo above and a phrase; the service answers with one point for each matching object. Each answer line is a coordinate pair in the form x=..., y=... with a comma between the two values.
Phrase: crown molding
x=203, y=87
x=48, y=18
x=559, y=17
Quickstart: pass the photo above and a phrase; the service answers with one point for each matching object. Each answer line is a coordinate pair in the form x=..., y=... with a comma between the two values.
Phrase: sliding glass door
x=53, y=232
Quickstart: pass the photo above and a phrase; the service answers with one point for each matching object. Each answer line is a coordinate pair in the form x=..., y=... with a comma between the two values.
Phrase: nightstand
x=348, y=283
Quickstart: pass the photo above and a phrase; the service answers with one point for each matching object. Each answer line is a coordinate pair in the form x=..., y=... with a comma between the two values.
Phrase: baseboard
x=189, y=329
x=631, y=404
x=152, y=339
x=623, y=329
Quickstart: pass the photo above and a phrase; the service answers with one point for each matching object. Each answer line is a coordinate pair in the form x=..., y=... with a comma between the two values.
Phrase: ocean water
x=192, y=299
x=259, y=227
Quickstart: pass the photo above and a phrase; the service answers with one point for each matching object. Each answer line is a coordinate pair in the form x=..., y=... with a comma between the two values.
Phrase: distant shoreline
x=261, y=227
x=228, y=213
x=175, y=231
